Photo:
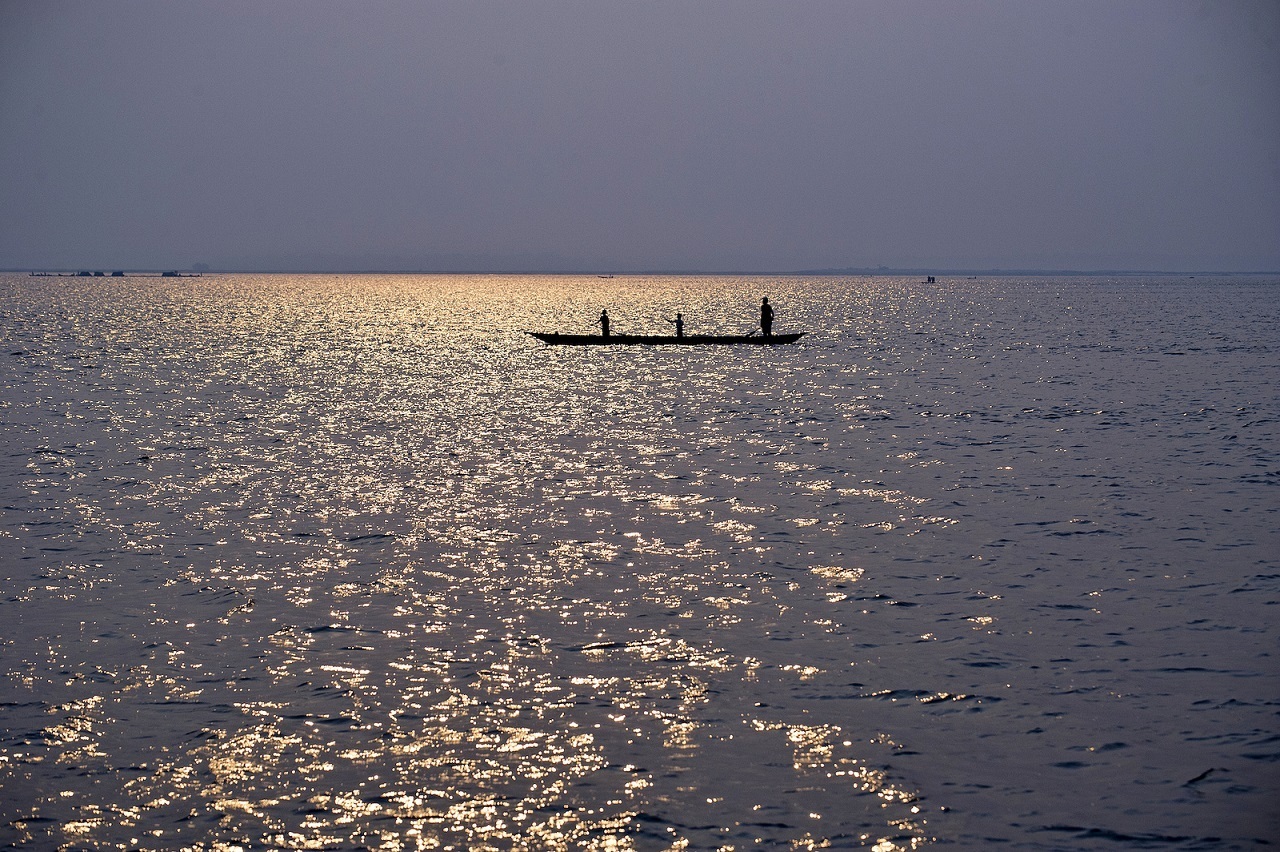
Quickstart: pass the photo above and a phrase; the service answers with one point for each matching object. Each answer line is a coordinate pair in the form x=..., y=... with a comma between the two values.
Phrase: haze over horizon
x=566, y=135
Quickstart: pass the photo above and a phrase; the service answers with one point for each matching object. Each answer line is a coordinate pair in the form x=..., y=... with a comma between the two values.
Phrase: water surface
x=350, y=562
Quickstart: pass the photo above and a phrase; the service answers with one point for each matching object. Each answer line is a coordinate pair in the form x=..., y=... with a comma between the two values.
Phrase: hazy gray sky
x=615, y=135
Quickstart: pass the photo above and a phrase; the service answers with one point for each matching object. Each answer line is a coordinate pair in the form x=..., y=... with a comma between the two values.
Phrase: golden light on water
x=440, y=588
x=350, y=562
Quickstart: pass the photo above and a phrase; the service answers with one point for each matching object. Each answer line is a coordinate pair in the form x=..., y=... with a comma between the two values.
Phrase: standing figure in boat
x=766, y=317
x=678, y=322
x=604, y=323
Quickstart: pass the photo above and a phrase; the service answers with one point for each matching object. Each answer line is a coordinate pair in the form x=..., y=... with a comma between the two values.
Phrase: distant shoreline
x=826, y=273
x=1032, y=272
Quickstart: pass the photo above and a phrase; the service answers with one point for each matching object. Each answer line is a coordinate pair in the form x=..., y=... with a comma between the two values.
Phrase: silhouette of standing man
x=604, y=323
x=679, y=324
x=766, y=317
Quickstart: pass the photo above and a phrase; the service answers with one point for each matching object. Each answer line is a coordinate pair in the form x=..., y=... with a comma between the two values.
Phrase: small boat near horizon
x=556, y=339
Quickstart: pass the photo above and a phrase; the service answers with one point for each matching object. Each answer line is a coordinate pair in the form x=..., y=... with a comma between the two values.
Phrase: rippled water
x=349, y=562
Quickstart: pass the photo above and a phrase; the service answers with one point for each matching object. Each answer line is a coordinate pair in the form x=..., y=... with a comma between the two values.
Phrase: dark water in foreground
x=351, y=563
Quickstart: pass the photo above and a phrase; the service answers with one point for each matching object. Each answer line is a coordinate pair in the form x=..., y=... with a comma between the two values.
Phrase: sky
x=626, y=135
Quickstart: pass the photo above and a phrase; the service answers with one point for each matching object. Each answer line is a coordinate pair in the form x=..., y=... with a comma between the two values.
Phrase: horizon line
x=199, y=269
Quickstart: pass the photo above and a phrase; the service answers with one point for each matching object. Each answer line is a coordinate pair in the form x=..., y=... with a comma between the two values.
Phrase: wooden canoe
x=555, y=339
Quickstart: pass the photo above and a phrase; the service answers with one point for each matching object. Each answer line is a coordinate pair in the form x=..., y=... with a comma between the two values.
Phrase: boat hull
x=665, y=339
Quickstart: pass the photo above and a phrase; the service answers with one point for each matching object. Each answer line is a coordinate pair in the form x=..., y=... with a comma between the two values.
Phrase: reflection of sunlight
x=838, y=575
x=415, y=582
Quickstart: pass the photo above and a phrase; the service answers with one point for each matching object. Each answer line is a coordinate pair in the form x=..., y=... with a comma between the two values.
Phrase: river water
x=351, y=562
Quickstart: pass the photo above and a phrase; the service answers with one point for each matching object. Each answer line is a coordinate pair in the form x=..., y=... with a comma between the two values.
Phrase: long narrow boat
x=664, y=339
